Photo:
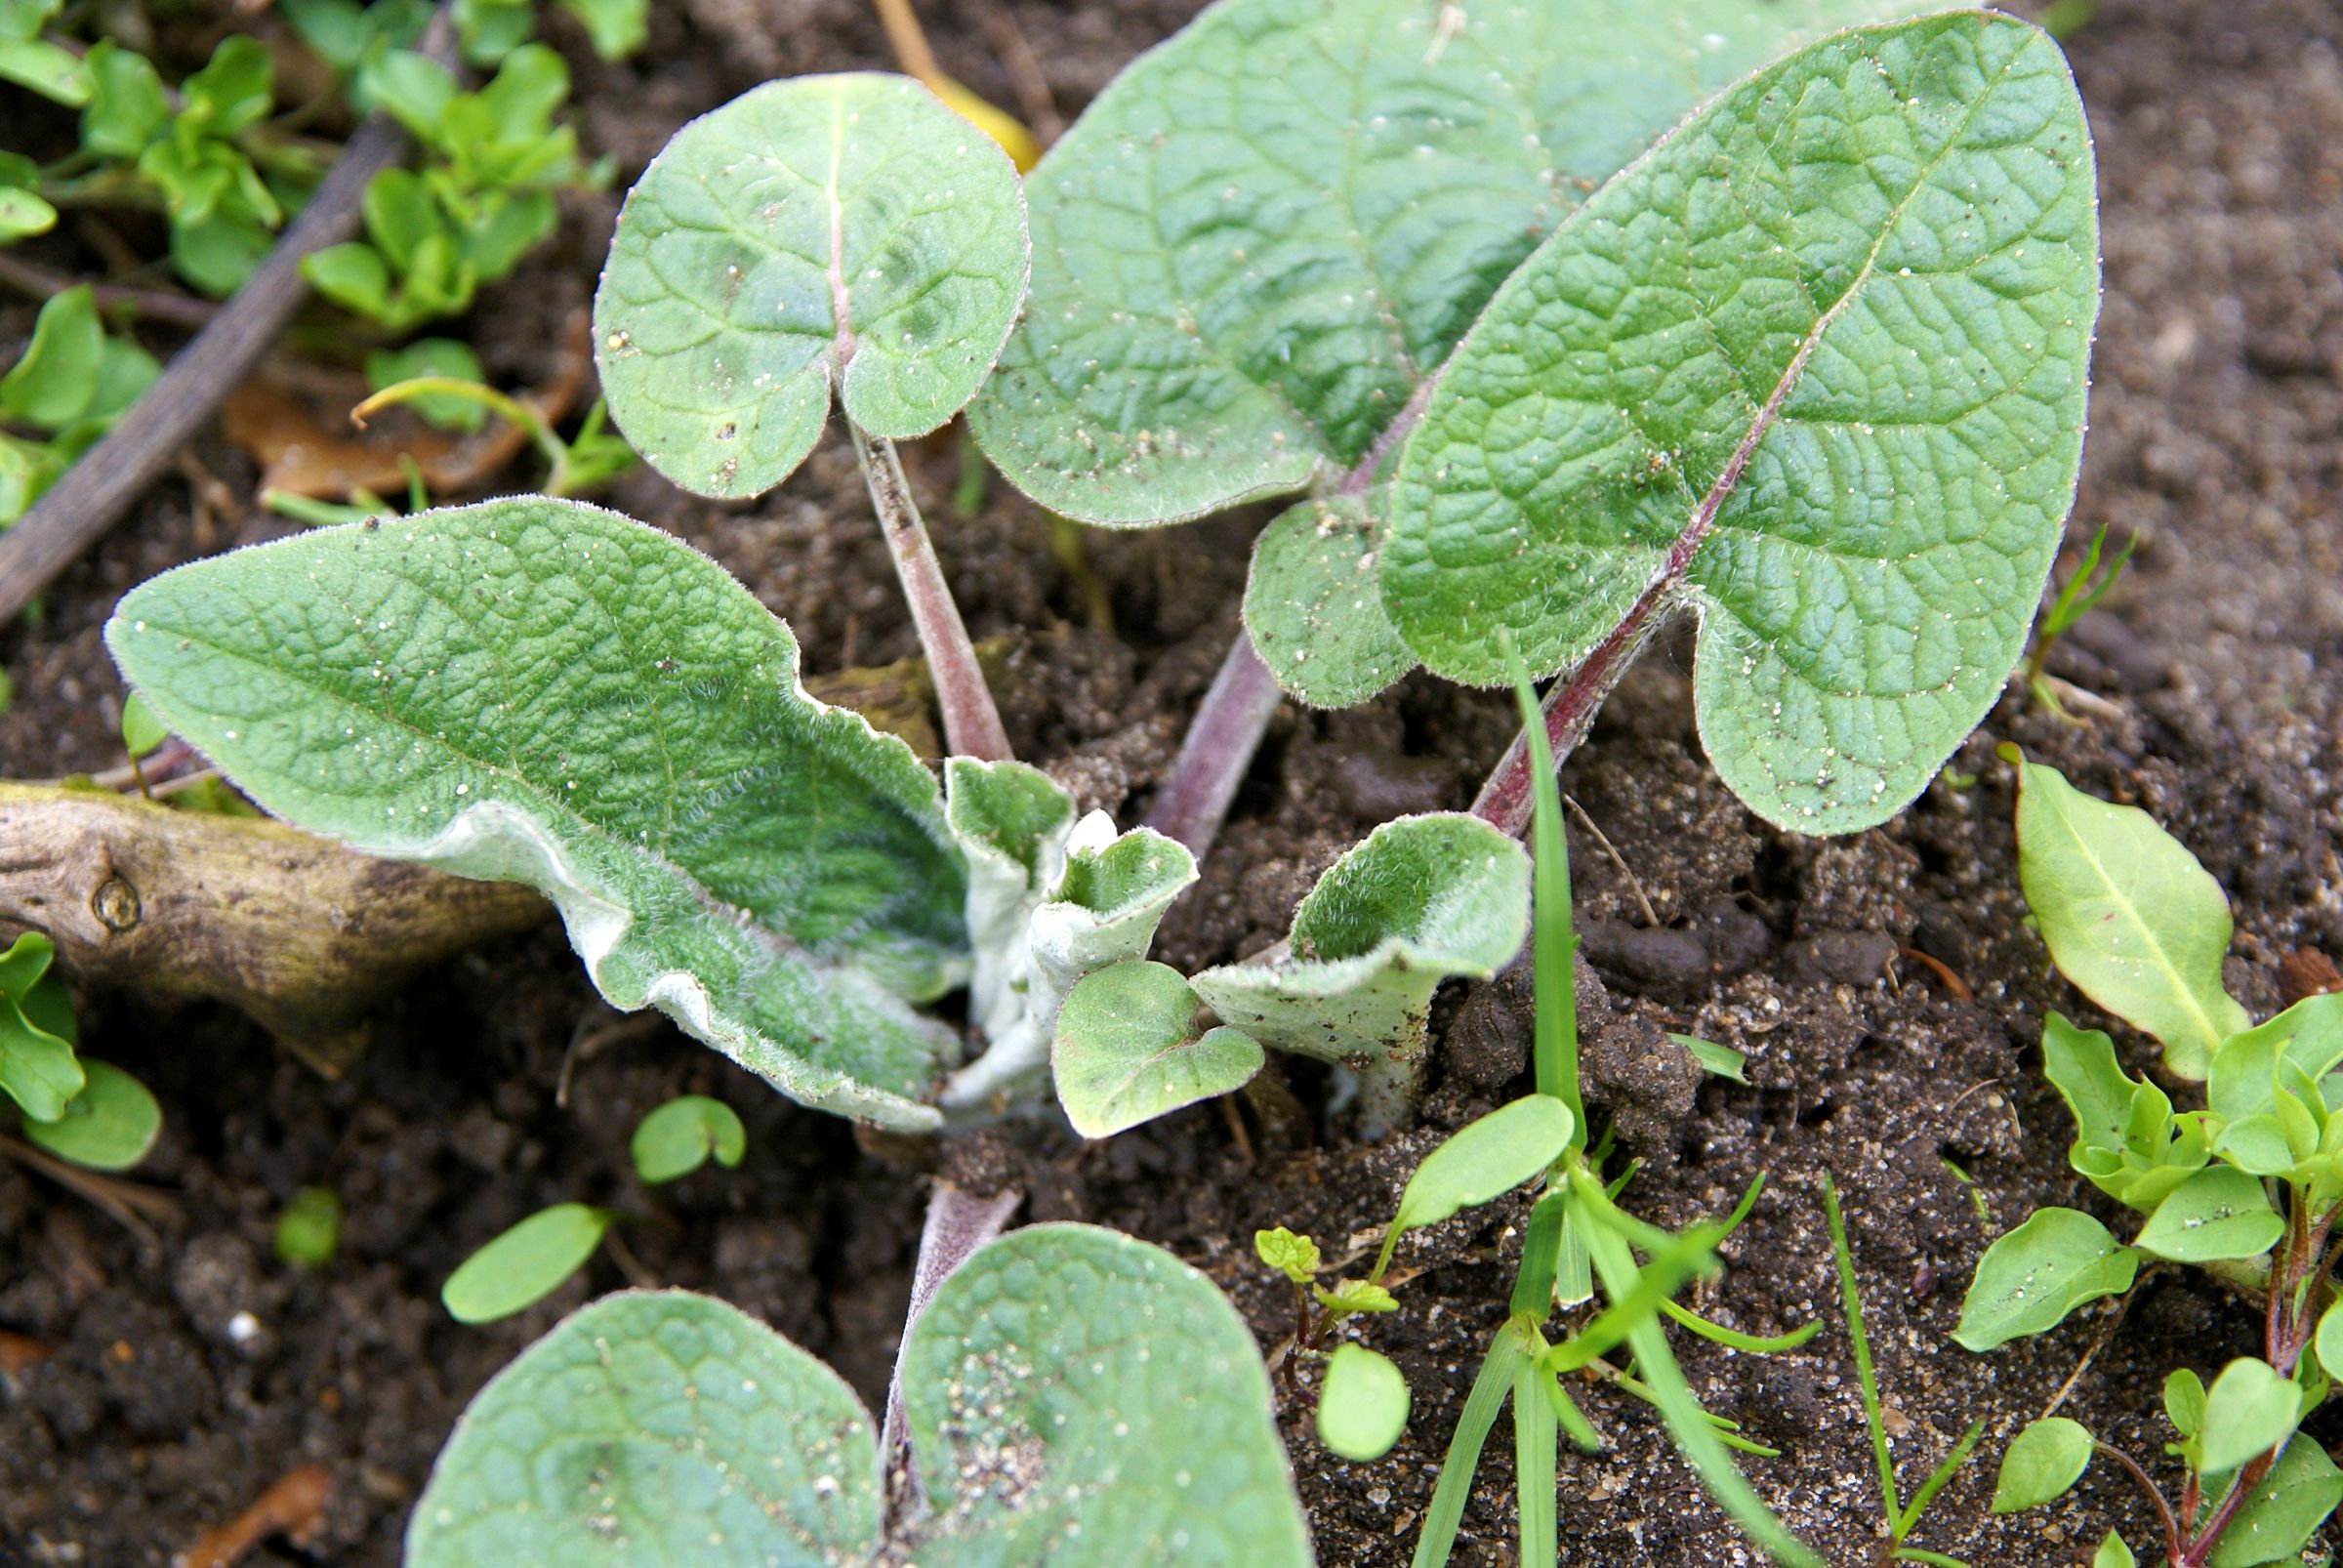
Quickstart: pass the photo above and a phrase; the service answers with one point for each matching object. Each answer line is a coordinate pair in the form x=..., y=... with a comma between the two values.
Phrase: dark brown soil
x=188, y=1370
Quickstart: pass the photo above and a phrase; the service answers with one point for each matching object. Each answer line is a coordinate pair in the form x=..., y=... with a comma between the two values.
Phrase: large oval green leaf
x=843, y=230
x=1814, y=366
x=655, y=1427
x=1089, y=1399
x=1260, y=241
x=541, y=691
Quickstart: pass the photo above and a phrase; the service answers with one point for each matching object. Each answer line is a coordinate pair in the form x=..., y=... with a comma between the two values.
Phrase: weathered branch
x=300, y=933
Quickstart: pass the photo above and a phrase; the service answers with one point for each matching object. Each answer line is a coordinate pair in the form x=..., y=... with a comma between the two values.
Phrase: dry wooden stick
x=92, y=495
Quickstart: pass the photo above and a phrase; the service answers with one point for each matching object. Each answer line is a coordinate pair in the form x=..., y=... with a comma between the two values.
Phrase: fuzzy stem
x=972, y=721
x=957, y=1225
x=1220, y=747
x=1570, y=708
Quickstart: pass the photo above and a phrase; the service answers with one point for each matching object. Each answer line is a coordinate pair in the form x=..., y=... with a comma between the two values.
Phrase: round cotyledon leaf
x=655, y=1427
x=841, y=231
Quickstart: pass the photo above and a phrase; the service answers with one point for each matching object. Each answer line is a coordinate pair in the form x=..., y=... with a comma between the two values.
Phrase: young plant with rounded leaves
x=1072, y=1396
x=1811, y=368
x=2249, y=1188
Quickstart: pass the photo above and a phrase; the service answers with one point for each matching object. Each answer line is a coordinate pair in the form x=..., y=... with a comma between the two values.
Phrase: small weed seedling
x=1577, y=1235
x=73, y=380
x=2249, y=1188
x=528, y=1261
x=1901, y=1517
x=1072, y=1397
x=2075, y=598
x=484, y=199
x=77, y=1108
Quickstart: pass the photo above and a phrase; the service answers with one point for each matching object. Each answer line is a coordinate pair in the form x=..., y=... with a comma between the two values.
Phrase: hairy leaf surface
x=1815, y=367
x=1074, y=1398
x=656, y=1427
x=1260, y=243
x=846, y=231
x=1133, y=1042
x=1109, y=1406
x=541, y=691
x=1422, y=899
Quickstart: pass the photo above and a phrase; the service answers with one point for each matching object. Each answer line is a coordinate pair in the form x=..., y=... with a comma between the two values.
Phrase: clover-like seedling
x=2249, y=1188
x=1824, y=389
x=72, y=381
x=77, y=1108
x=840, y=234
x=687, y=1132
x=1073, y=1396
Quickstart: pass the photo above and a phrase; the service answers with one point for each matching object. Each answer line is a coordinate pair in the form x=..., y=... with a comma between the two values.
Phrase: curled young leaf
x=540, y=691
x=2128, y=915
x=1051, y=900
x=1815, y=367
x=2033, y=1276
x=1423, y=899
x=2041, y=1463
x=1293, y=1255
x=846, y=231
x=1135, y=1041
x=1363, y=1406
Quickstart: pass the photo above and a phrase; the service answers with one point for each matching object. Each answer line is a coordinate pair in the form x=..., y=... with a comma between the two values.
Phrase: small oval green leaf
x=2184, y=1402
x=2113, y=1552
x=310, y=1230
x=2248, y=1411
x=109, y=1126
x=844, y=231
x=2041, y=1463
x=1485, y=1159
x=2218, y=1213
x=2128, y=915
x=2031, y=1278
x=678, y=1137
x=525, y=1265
x=1132, y=1045
x=141, y=732
x=1363, y=1408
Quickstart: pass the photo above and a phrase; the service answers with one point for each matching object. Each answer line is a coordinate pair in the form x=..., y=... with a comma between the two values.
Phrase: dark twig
x=92, y=495
x=155, y=305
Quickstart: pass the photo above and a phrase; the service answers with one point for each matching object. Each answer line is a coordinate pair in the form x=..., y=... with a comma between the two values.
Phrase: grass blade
x=1552, y=940
x=1851, y=1300
x=1506, y=1352
x=1534, y=1423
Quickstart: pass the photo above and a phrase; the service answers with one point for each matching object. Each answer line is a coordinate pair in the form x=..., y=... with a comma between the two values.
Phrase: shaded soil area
x=183, y=1368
